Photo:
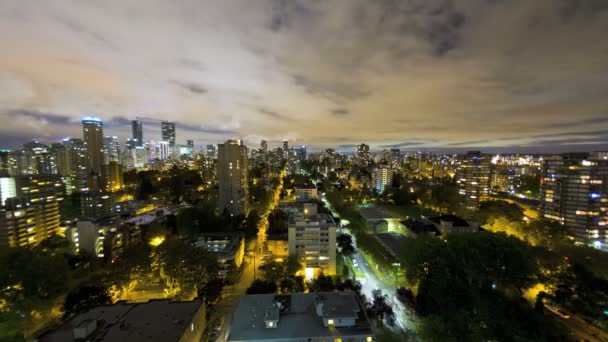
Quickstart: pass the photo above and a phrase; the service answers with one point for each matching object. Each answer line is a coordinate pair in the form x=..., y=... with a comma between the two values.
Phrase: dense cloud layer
x=419, y=74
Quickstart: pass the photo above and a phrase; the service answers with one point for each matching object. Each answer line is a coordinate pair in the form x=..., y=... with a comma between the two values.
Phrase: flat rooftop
x=322, y=218
x=157, y=320
x=376, y=213
x=393, y=242
x=298, y=319
x=221, y=243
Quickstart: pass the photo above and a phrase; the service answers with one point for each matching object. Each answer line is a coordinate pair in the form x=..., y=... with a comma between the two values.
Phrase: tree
x=85, y=297
x=495, y=209
x=212, y=291
x=322, y=283
x=262, y=287
x=187, y=268
x=380, y=309
x=251, y=223
x=292, y=265
x=345, y=242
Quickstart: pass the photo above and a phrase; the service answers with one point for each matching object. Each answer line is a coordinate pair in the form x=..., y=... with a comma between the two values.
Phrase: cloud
x=340, y=112
x=495, y=74
x=404, y=144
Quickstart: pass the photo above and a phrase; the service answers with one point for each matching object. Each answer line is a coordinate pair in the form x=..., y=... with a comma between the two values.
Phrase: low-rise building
x=322, y=316
x=156, y=320
x=229, y=249
x=381, y=220
x=440, y=225
x=103, y=238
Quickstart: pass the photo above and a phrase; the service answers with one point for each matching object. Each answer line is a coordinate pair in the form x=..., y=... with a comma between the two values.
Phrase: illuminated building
x=112, y=152
x=94, y=143
x=115, y=178
x=23, y=223
x=473, y=177
x=167, y=130
x=232, y=177
x=363, y=156
x=306, y=193
x=211, y=151
x=285, y=149
x=312, y=238
x=97, y=204
x=574, y=192
x=383, y=178
x=138, y=132
x=164, y=148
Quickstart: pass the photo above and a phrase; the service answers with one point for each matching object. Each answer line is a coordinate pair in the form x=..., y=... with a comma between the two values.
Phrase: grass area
x=387, y=277
x=354, y=270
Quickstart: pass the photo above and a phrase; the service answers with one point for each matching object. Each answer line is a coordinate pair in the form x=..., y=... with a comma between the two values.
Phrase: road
x=580, y=329
x=372, y=282
x=231, y=295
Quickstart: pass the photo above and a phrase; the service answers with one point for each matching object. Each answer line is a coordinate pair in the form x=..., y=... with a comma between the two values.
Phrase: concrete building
x=97, y=204
x=138, y=132
x=212, y=151
x=312, y=238
x=93, y=143
x=363, y=157
x=115, y=177
x=380, y=220
x=229, y=249
x=232, y=177
x=112, y=151
x=383, y=178
x=164, y=149
x=306, y=193
x=574, y=192
x=157, y=320
x=105, y=238
x=473, y=177
x=168, y=133
x=321, y=316
x=23, y=223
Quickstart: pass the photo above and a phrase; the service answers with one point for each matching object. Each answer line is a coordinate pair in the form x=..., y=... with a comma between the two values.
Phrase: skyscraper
x=190, y=144
x=303, y=152
x=232, y=176
x=138, y=132
x=383, y=178
x=163, y=150
x=168, y=133
x=93, y=143
x=112, y=145
x=473, y=177
x=285, y=149
x=574, y=192
x=363, y=156
x=211, y=151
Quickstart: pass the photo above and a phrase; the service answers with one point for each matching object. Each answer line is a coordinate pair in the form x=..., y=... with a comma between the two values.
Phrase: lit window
x=271, y=324
x=369, y=339
x=330, y=322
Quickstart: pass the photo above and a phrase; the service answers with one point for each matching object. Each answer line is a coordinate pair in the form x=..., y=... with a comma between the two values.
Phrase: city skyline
x=443, y=75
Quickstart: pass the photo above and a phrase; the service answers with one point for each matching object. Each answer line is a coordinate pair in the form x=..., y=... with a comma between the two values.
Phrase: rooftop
x=455, y=220
x=298, y=317
x=376, y=213
x=157, y=320
x=219, y=242
x=393, y=242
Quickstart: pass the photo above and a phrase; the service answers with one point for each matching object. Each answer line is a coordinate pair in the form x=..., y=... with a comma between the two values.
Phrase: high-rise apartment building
x=363, y=156
x=232, y=177
x=473, y=177
x=168, y=133
x=138, y=132
x=163, y=150
x=212, y=151
x=285, y=149
x=383, y=178
x=115, y=178
x=93, y=143
x=574, y=191
x=312, y=238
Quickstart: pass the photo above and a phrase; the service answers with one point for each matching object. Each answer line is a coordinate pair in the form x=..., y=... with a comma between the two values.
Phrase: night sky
x=496, y=75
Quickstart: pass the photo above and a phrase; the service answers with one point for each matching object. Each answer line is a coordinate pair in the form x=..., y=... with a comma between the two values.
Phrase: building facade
x=232, y=177
x=93, y=143
x=574, y=192
x=312, y=238
x=473, y=177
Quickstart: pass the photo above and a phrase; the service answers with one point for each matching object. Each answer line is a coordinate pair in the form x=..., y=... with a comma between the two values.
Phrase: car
x=563, y=313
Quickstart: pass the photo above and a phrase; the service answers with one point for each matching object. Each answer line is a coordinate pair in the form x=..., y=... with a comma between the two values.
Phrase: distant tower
x=168, y=133
x=232, y=176
x=92, y=129
x=264, y=146
x=138, y=132
x=286, y=148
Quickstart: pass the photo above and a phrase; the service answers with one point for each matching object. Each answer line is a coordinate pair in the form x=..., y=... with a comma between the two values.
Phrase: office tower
x=115, y=178
x=190, y=144
x=211, y=151
x=168, y=133
x=163, y=150
x=312, y=238
x=232, y=177
x=574, y=191
x=93, y=143
x=141, y=157
x=112, y=149
x=363, y=156
x=138, y=132
x=303, y=152
x=383, y=178
x=395, y=157
x=285, y=149
x=4, y=162
x=264, y=146
x=73, y=163
x=473, y=177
